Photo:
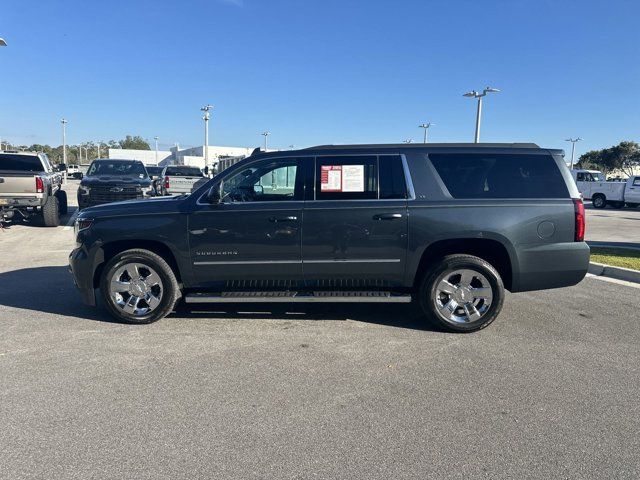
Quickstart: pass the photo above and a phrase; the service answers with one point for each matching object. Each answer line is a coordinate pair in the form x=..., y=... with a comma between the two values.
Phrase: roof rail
x=425, y=145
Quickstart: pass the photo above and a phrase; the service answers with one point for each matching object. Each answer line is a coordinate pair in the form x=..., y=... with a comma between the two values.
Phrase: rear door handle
x=288, y=218
x=387, y=216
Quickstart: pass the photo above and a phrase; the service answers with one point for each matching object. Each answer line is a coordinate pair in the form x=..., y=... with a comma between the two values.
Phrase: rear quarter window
x=500, y=175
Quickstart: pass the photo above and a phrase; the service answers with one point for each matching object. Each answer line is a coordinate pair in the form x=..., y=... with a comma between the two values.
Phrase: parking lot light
x=64, y=147
x=156, y=139
x=206, y=109
x=2, y=42
x=426, y=127
x=573, y=148
x=478, y=95
x=265, y=135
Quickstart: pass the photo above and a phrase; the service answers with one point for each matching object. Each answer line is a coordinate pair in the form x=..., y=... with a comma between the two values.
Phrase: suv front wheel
x=138, y=286
x=461, y=293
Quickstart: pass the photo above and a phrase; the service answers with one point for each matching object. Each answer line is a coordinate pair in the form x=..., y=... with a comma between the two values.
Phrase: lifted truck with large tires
x=450, y=226
x=30, y=189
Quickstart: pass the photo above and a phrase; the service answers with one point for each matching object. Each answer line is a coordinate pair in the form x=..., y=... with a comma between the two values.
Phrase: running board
x=297, y=297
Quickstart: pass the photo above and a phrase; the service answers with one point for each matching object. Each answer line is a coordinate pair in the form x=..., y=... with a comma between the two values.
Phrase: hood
x=147, y=206
x=115, y=180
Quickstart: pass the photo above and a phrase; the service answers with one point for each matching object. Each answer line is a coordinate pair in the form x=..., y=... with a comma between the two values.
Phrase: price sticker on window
x=331, y=178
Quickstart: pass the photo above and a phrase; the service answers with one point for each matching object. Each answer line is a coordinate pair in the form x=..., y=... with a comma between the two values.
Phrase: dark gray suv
x=447, y=225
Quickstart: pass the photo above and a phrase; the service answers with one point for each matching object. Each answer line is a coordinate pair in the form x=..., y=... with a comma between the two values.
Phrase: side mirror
x=258, y=190
x=215, y=194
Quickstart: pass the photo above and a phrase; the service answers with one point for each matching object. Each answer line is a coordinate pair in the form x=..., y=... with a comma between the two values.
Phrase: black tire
x=599, y=201
x=51, y=212
x=633, y=205
x=62, y=202
x=428, y=295
x=617, y=205
x=170, y=288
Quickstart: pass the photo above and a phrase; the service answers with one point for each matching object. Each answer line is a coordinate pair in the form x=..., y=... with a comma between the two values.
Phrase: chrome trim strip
x=269, y=262
x=363, y=260
x=243, y=262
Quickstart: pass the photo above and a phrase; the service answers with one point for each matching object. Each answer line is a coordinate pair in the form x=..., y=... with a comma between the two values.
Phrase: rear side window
x=21, y=163
x=392, y=181
x=500, y=175
x=347, y=177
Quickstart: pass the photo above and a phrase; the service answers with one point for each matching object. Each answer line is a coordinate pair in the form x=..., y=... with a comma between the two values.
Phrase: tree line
x=622, y=157
x=86, y=151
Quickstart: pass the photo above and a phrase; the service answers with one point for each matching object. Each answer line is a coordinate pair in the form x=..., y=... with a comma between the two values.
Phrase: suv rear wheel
x=461, y=293
x=138, y=286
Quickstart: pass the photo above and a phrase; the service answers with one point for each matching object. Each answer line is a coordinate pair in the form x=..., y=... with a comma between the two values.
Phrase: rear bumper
x=7, y=203
x=550, y=266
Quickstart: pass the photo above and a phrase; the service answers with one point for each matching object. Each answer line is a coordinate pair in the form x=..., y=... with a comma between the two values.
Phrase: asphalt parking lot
x=549, y=390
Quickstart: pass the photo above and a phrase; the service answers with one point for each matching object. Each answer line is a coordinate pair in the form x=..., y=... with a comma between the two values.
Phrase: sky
x=320, y=71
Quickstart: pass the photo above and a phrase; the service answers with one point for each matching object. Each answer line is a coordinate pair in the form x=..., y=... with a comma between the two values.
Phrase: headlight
x=83, y=190
x=81, y=224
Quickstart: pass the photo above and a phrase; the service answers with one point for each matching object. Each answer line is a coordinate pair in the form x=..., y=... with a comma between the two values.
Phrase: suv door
x=253, y=237
x=355, y=227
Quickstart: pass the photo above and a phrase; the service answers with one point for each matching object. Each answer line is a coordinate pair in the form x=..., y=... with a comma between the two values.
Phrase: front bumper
x=82, y=266
x=553, y=265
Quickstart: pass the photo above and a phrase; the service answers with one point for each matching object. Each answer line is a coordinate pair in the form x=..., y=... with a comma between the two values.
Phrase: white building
x=188, y=156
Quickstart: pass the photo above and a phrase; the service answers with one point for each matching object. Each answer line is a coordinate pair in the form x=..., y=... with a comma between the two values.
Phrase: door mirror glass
x=258, y=190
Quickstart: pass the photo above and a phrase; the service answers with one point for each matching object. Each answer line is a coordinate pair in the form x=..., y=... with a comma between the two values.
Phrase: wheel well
x=113, y=248
x=598, y=195
x=490, y=250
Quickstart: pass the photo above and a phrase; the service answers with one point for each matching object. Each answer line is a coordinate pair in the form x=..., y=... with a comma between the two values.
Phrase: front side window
x=478, y=175
x=266, y=181
x=636, y=182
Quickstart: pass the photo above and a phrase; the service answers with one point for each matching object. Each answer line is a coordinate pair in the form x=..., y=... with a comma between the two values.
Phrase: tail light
x=578, y=208
x=166, y=182
x=39, y=185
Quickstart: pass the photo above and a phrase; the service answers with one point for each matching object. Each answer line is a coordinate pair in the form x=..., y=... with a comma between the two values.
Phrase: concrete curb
x=619, y=273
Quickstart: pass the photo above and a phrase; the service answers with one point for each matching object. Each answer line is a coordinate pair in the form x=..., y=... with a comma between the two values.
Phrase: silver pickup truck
x=178, y=179
x=30, y=188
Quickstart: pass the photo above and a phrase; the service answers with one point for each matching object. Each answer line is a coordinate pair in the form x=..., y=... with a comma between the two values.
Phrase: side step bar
x=297, y=297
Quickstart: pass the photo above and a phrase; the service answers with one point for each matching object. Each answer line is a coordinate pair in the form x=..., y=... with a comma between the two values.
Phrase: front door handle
x=387, y=216
x=288, y=218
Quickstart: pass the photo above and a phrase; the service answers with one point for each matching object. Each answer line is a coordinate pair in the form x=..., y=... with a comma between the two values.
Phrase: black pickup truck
x=448, y=225
x=114, y=180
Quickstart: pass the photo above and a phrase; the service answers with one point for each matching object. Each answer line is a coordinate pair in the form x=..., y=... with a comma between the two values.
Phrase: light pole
x=156, y=139
x=478, y=95
x=426, y=127
x=265, y=135
x=573, y=148
x=98, y=147
x=64, y=147
x=206, y=117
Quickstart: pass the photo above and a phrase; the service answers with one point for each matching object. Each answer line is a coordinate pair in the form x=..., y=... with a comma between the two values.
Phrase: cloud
x=237, y=3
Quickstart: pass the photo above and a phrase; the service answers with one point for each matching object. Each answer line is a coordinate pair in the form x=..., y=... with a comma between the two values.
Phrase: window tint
x=392, y=181
x=117, y=168
x=266, y=181
x=22, y=163
x=346, y=177
x=500, y=175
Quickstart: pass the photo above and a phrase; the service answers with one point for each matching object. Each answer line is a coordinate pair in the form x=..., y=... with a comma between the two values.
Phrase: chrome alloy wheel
x=462, y=296
x=136, y=288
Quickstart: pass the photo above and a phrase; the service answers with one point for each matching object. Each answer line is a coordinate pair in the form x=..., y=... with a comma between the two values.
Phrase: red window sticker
x=331, y=178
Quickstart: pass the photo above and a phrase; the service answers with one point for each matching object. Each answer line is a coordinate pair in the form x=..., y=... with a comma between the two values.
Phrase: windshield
x=154, y=170
x=184, y=172
x=117, y=168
